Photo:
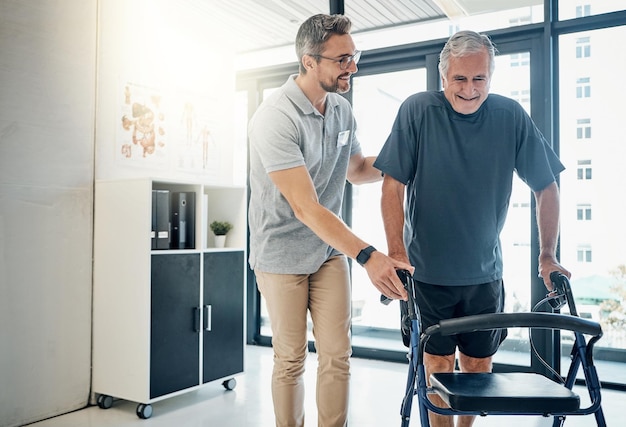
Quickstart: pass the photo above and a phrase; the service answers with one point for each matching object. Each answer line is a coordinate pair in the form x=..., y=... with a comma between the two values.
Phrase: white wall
x=63, y=65
x=164, y=49
x=47, y=100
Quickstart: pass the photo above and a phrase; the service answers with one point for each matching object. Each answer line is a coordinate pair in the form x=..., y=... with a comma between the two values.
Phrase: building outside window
x=522, y=96
x=583, y=47
x=583, y=129
x=584, y=254
x=593, y=249
x=584, y=171
x=583, y=212
x=583, y=10
x=520, y=59
x=583, y=87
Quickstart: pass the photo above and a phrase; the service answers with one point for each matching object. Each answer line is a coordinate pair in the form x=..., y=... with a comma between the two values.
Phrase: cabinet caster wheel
x=144, y=411
x=230, y=384
x=104, y=401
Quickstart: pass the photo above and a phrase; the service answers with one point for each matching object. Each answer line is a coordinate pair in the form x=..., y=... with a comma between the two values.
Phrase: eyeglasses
x=344, y=61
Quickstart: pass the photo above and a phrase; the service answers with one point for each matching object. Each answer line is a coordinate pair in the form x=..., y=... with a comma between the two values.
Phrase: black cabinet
x=223, y=339
x=174, y=337
x=176, y=318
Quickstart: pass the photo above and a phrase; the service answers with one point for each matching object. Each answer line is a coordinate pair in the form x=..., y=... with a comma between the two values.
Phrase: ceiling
x=253, y=25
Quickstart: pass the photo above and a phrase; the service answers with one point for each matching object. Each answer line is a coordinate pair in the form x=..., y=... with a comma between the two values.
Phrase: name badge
x=342, y=138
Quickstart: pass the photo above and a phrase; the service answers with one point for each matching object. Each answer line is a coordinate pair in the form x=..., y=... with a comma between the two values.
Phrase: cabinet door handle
x=207, y=317
x=196, y=319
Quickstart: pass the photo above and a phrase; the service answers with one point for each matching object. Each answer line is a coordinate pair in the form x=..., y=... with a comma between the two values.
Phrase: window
x=376, y=100
x=520, y=20
x=583, y=10
x=520, y=59
x=583, y=212
x=583, y=87
x=570, y=9
x=592, y=240
x=584, y=170
x=583, y=47
x=453, y=28
x=584, y=254
x=583, y=128
x=522, y=96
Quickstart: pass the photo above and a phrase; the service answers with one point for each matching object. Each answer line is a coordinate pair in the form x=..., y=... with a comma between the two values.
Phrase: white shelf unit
x=226, y=204
x=135, y=287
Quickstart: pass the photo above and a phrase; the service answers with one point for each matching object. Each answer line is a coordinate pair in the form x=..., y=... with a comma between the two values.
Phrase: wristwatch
x=364, y=255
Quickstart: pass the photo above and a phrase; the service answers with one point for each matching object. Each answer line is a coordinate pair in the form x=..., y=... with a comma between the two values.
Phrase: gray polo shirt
x=286, y=132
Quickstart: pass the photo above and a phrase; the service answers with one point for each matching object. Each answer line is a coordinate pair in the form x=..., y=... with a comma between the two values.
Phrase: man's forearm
x=548, y=219
x=365, y=172
x=392, y=206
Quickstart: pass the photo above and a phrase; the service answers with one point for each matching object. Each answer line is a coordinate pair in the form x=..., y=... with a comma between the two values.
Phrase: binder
x=153, y=229
x=162, y=212
x=183, y=220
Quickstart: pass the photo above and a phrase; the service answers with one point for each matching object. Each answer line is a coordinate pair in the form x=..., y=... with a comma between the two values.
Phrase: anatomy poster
x=197, y=142
x=177, y=132
x=142, y=136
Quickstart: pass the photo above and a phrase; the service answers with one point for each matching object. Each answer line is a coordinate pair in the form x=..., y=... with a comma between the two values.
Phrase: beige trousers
x=326, y=295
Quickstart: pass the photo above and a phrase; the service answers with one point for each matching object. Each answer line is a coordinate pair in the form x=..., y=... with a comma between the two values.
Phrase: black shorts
x=446, y=302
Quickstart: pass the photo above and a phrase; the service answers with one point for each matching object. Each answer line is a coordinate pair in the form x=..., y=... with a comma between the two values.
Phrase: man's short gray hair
x=466, y=43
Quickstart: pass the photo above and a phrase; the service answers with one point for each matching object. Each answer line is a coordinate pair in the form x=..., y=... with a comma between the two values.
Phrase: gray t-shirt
x=286, y=132
x=458, y=170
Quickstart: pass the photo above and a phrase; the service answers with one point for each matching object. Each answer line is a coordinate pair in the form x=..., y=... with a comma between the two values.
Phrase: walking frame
x=511, y=393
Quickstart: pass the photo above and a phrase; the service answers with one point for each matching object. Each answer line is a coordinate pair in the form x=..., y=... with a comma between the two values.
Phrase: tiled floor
x=377, y=389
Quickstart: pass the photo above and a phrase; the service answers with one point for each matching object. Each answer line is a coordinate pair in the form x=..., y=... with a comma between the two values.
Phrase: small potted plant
x=220, y=229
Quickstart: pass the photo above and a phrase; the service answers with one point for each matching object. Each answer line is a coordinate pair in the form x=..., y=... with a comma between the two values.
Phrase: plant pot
x=220, y=241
